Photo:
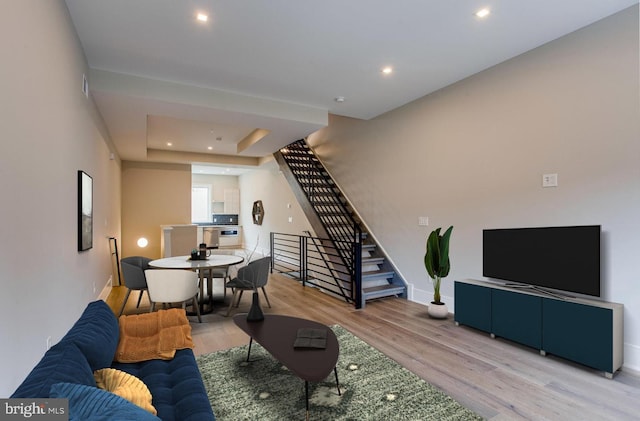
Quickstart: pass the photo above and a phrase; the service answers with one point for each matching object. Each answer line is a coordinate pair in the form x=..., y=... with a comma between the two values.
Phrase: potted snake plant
x=437, y=263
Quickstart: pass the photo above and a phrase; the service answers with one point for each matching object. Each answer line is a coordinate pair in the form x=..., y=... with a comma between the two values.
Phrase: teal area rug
x=373, y=387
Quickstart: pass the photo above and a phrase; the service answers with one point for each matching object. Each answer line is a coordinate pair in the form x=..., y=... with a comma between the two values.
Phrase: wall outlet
x=423, y=221
x=290, y=219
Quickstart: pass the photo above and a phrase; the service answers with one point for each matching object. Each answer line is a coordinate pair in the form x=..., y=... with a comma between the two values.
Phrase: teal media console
x=589, y=332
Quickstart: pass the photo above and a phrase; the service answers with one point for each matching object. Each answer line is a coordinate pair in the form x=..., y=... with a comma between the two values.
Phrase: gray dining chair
x=250, y=277
x=133, y=268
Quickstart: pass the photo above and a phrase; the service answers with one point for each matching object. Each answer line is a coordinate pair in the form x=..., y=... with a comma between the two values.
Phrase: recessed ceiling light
x=169, y=144
x=202, y=17
x=483, y=13
x=339, y=99
x=387, y=70
x=210, y=148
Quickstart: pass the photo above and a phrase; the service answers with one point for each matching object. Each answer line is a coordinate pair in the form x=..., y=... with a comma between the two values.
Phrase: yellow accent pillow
x=126, y=386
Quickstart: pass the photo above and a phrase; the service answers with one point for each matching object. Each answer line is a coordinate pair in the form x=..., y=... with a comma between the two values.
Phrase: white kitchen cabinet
x=231, y=201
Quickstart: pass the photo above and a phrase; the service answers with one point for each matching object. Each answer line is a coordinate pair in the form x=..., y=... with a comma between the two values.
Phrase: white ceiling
x=261, y=74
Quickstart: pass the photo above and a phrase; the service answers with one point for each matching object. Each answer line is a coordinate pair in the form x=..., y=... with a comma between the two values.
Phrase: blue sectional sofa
x=66, y=370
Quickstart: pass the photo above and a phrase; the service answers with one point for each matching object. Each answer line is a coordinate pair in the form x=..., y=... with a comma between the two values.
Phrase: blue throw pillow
x=64, y=362
x=96, y=333
x=92, y=404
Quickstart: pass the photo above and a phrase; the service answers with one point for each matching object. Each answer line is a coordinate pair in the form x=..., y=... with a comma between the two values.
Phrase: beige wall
x=49, y=131
x=152, y=195
x=472, y=155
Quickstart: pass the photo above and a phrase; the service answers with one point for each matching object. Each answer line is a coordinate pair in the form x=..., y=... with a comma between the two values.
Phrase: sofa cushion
x=176, y=386
x=64, y=362
x=126, y=386
x=92, y=404
x=96, y=333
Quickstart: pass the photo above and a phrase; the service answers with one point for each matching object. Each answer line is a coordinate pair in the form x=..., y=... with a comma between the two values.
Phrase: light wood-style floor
x=495, y=378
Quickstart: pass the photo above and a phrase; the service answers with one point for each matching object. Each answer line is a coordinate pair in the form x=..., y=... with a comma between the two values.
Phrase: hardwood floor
x=495, y=378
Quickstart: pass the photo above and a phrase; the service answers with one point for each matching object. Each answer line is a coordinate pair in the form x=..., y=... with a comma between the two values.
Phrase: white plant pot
x=437, y=311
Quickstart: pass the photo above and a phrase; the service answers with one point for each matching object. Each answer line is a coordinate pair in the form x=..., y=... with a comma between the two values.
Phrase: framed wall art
x=85, y=211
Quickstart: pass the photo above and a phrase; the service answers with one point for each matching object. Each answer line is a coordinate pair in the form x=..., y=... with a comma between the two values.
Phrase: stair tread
x=300, y=153
x=377, y=274
x=348, y=237
x=329, y=199
x=347, y=224
x=311, y=176
x=383, y=288
x=327, y=193
x=382, y=291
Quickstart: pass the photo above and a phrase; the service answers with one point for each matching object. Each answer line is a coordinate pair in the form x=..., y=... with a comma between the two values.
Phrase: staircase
x=331, y=217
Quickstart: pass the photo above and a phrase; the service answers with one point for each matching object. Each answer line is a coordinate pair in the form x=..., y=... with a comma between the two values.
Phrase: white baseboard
x=422, y=296
x=631, y=359
x=104, y=294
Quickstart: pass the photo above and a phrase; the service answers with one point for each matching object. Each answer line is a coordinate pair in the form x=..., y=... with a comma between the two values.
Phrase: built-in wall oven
x=228, y=231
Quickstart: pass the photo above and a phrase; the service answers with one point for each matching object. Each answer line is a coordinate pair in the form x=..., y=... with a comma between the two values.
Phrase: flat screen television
x=559, y=258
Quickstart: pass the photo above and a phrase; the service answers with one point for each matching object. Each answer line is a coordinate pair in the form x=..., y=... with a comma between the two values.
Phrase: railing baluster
x=357, y=275
x=303, y=261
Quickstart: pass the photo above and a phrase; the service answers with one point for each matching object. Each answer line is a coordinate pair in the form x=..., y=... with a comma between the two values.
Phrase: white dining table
x=202, y=266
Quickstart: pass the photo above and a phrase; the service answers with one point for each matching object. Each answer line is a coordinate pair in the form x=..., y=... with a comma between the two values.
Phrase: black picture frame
x=85, y=211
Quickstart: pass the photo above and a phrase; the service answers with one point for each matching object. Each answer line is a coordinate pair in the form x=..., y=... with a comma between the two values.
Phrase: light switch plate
x=549, y=180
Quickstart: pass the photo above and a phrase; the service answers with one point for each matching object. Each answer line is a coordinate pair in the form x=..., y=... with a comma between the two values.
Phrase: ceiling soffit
x=132, y=106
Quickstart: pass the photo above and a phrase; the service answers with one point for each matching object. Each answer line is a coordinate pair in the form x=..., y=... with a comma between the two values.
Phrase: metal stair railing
x=316, y=262
x=324, y=197
x=319, y=247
